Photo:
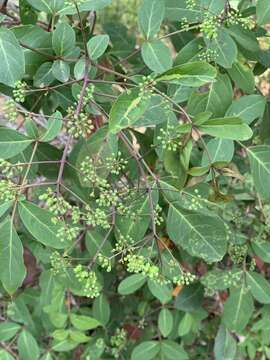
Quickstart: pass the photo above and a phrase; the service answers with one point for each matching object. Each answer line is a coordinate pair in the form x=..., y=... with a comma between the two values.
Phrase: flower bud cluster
x=146, y=86
x=208, y=55
x=58, y=262
x=10, y=110
x=89, y=169
x=79, y=125
x=105, y=262
x=234, y=17
x=238, y=253
x=139, y=264
x=209, y=26
x=186, y=278
x=9, y=170
x=169, y=138
x=19, y=91
x=62, y=209
x=8, y=190
x=118, y=342
x=88, y=280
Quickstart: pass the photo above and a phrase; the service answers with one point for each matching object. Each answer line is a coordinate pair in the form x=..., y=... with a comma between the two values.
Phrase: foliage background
x=135, y=174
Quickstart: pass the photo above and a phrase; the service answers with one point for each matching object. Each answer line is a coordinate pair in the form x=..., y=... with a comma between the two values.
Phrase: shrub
x=135, y=177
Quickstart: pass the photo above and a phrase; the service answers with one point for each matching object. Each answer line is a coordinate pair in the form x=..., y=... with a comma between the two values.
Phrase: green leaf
x=165, y=322
x=12, y=143
x=48, y=6
x=243, y=77
x=162, y=292
x=127, y=227
x=262, y=249
x=127, y=109
x=97, y=46
x=259, y=157
x=263, y=12
x=12, y=269
x=28, y=347
x=151, y=14
x=87, y=5
x=189, y=52
x=4, y=207
x=84, y=323
x=220, y=96
x=147, y=350
x=44, y=75
x=131, y=284
x=227, y=128
x=61, y=71
x=259, y=287
x=213, y=6
x=192, y=74
x=39, y=223
x=201, y=235
x=170, y=350
x=63, y=39
x=54, y=127
x=225, y=345
x=218, y=150
x=176, y=10
x=247, y=108
x=244, y=37
x=225, y=48
x=150, y=117
x=238, y=309
x=101, y=309
x=47, y=356
x=8, y=330
x=185, y=324
x=12, y=58
x=4, y=355
x=157, y=56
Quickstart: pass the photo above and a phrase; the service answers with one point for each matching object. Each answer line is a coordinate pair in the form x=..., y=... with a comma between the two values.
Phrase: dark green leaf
x=131, y=284
x=12, y=143
x=165, y=322
x=151, y=14
x=259, y=287
x=238, y=309
x=39, y=223
x=157, y=56
x=201, y=235
x=97, y=46
x=146, y=350
x=12, y=269
x=259, y=157
x=194, y=74
x=225, y=345
x=227, y=128
x=127, y=109
x=12, y=58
